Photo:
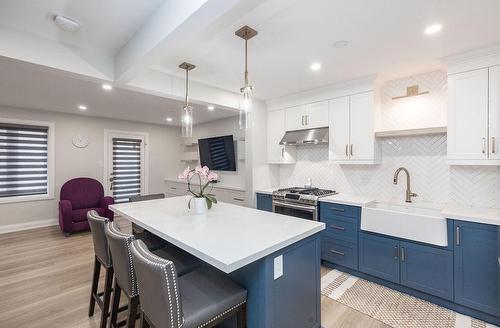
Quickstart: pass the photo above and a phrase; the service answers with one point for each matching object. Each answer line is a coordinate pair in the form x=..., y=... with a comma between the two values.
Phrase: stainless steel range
x=299, y=202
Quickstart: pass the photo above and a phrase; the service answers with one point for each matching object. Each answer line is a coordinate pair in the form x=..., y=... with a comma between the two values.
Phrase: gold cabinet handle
x=457, y=236
x=484, y=145
x=283, y=152
x=351, y=150
x=403, y=255
x=493, y=145
x=302, y=120
x=346, y=150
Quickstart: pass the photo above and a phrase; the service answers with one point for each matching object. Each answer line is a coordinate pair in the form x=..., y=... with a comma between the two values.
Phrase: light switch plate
x=278, y=267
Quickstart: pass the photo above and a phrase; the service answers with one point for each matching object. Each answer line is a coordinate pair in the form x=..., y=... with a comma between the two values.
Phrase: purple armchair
x=78, y=196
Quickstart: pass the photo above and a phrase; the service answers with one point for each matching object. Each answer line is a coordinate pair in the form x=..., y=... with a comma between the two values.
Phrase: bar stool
x=102, y=258
x=152, y=241
x=125, y=280
x=201, y=298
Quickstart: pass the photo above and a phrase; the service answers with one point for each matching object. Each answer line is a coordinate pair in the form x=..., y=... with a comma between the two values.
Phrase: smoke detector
x=65, y=23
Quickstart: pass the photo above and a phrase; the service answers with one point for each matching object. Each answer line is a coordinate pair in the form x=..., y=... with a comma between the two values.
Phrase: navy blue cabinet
x=264, y=202
x=379, y=256
x=477, y=267
x=428, y=269
x=339, y=240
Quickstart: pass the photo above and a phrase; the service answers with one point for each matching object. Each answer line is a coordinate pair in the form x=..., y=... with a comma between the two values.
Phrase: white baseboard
x=28, y=225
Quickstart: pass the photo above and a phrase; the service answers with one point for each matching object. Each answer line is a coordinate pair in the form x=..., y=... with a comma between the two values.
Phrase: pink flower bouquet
x=206, y=179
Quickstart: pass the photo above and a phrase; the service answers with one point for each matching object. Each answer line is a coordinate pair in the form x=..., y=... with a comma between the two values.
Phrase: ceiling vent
x=66, y=23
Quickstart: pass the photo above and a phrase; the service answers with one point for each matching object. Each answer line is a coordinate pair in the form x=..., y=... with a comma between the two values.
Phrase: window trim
x=50, y=162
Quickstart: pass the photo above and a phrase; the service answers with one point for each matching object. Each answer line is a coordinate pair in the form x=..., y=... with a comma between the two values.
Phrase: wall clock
x=80, y=141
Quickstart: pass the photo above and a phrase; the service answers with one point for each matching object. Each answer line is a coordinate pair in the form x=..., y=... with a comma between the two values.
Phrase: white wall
x=71, y=162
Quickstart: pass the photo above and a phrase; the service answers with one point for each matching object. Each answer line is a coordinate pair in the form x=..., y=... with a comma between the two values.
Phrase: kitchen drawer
x=236, y=197
x=344, y=228
x=328, y=210
x=339, y=252
x=176, y=188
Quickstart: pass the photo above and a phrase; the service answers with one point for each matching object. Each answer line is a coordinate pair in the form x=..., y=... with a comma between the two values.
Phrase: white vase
x=199, y=205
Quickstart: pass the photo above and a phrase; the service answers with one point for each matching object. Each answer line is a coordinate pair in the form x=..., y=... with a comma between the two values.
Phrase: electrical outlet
x=278, y=267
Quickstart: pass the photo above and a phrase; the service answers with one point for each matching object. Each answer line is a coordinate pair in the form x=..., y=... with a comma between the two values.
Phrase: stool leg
x=116, y=303
x=241, y=317
x=95, y=283
x=144, y=322
x=132, y=311
x=106, y=297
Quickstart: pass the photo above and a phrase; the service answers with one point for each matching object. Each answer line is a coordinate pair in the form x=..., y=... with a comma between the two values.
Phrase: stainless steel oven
x=299, y=202
x=303, y=211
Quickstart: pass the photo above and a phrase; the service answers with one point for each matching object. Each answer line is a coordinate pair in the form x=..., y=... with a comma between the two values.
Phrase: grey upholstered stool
x=102, y=258
x=153, y=242
x=201, y=298
x=125, y=280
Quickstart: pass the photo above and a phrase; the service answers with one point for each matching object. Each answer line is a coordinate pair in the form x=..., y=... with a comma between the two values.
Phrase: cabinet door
x=277, y=153
x=264, y=202
x=468, y=115
x=295, y=118
x=494, y=112
x=317, y=115
x=379, y=256
x=477, y=270
x=362, y=146
x=339, y=129
x=427, y=269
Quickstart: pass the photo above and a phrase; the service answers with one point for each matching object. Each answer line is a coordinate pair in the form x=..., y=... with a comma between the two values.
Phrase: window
x=25, y=163
x=126, y=181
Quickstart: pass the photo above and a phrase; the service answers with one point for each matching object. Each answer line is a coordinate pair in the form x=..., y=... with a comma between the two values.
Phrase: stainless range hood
x=317, y=136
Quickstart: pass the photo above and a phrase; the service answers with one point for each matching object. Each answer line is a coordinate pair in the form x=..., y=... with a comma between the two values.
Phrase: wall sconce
x=411, y=91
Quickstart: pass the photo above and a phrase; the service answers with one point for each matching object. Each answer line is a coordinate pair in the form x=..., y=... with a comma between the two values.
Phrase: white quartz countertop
x=227, y=236
x=472, y=214
x=268, y=191
x=347, y=199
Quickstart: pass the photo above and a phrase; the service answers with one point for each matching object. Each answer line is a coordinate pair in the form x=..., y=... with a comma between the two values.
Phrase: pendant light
x=187, y=110
x=246, y=33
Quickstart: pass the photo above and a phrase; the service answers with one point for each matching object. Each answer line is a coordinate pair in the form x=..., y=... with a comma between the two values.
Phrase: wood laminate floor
x=45, y=282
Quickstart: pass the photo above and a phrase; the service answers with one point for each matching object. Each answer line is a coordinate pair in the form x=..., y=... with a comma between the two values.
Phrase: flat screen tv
x=218, y=153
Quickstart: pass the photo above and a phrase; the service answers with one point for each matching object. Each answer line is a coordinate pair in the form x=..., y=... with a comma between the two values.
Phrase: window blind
x=23, y=160
x=126, y=168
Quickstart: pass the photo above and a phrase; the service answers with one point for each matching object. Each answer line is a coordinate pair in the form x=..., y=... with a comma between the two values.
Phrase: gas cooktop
x=302, y=195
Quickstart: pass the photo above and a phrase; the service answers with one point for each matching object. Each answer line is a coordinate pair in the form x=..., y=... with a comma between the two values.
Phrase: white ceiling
x=26, y=85
x=105, y=25
x=385, y=36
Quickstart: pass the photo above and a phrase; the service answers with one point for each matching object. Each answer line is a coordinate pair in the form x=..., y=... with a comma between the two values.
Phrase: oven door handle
x=298, y=207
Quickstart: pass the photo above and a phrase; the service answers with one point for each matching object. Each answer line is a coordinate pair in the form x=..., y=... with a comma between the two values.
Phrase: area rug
x=391, y=307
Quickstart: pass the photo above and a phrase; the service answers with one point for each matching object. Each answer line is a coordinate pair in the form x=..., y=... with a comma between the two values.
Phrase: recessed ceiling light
x=315, y=67
x=433, y=29
x=107, y=87
x=65, y=23
x=82, y=107
x=169, y=119
x=341, y=44
x=210, y=107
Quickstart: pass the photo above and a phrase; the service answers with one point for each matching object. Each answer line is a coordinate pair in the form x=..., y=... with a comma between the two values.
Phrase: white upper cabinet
x=308, y=116
x=352, y=137
x=295, y=118
x=473, y=117
x=494, y=112
x=276, y=153
x=317, y=115
x=339, y=129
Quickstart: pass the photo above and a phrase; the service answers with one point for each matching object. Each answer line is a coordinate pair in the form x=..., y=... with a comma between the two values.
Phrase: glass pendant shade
x=245, y=107
x=187, y=122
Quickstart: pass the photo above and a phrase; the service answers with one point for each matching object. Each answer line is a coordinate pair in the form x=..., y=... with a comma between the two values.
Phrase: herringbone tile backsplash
x=424, y=156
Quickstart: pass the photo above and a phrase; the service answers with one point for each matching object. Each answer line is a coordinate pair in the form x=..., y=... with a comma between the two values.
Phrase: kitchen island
x=275, y=257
